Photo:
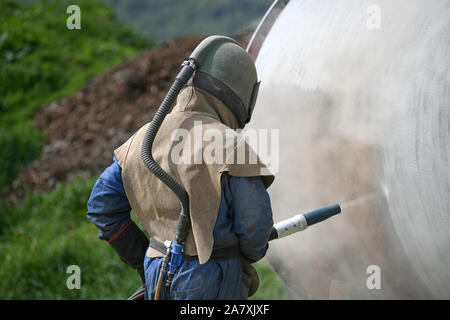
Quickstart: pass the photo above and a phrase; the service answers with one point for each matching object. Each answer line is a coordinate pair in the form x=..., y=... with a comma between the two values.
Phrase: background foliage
x=166, y=19
x=42, y=61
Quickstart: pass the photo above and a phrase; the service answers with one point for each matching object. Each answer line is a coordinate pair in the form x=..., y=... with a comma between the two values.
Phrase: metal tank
x=359, y=92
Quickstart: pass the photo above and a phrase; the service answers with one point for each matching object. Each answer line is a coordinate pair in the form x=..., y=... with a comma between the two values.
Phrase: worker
x=230, y=210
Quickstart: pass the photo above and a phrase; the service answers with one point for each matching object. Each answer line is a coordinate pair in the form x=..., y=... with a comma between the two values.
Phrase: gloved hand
x=131, y=244
x=249, y=270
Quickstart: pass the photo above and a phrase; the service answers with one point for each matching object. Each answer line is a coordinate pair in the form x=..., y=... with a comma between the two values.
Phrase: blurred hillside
x=42, y=61
x=163, y=20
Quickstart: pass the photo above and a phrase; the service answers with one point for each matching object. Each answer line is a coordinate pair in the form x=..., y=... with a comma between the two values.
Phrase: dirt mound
x=84, y=129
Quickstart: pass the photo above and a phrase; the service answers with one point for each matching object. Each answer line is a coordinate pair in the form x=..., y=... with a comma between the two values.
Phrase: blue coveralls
x=244, y=217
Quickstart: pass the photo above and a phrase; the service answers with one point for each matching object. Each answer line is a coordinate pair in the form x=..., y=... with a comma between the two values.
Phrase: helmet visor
x=253, y=100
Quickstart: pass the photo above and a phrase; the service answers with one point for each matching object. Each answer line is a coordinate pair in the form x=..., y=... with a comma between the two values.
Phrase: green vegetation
x=45, y=234
x=270, y=286
x=42, y=61
x=166, y=19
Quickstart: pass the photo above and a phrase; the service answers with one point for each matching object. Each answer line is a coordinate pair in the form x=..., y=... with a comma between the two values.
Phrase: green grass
x=42, y=61
x=46, y=233
x=270, y=286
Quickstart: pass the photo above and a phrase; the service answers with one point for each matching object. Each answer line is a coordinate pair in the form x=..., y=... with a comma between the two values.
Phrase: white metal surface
x=360, y=91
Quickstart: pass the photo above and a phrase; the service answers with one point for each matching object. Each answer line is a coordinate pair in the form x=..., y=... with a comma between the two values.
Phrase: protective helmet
x=225, y=70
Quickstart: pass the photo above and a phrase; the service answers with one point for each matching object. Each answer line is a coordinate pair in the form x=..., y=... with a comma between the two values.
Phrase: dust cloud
x=363, y=118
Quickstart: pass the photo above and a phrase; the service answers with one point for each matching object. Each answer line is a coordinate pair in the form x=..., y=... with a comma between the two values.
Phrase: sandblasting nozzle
x=302, y=221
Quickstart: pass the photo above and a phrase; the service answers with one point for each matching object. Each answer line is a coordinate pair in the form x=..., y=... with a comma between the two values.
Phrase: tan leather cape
x=195, y=144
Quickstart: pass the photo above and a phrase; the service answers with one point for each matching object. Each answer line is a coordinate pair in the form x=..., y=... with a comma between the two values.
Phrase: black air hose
x=183, y=76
